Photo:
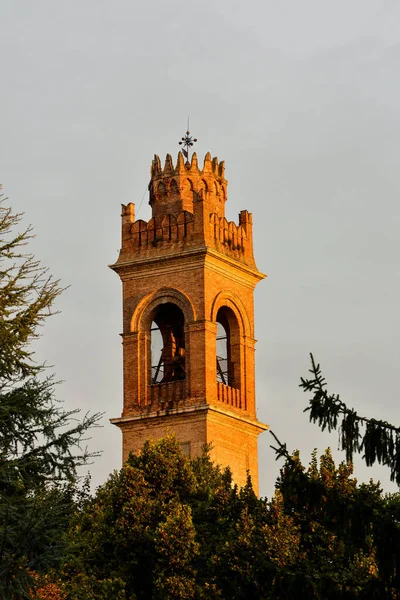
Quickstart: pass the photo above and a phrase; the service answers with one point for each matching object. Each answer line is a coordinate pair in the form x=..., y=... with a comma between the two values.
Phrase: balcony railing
x=229, y=395
x=164, y=395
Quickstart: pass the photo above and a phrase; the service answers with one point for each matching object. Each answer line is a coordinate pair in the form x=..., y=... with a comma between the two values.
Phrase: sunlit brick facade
x=188, y=276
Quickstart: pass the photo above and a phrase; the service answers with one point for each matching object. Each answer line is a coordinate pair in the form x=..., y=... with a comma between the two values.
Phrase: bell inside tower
x=225, y=365
x=167, y=344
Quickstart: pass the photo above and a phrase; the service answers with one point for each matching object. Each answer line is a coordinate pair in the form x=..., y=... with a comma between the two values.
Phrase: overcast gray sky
x=301, y=99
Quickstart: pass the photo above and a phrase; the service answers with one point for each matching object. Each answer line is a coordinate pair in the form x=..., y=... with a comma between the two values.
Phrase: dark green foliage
x=387, y=539
x=350, y=533
x=335, y=519
x=377, y=440
x=167, y=527
x=40, y=442
x=137, y=530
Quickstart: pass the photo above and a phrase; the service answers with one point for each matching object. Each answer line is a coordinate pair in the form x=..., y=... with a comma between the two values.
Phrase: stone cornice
x=120, y=421
x=173, y=262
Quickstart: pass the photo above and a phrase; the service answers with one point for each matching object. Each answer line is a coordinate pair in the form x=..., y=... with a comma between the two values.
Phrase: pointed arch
x=173, y=187
x=161, y=189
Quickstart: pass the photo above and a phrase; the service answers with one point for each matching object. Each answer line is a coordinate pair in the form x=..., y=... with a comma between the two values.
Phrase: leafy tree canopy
x=166, y=526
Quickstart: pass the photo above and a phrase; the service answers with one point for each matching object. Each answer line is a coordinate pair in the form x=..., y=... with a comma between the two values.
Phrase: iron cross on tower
x=187, y=141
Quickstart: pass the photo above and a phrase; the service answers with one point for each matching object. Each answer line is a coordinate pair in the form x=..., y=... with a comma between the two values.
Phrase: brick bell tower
x=188, y=278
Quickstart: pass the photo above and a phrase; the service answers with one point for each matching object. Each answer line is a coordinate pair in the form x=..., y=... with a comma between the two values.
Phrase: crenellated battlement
x=187, y=212
x=175, y=232
x=176, y=188
x=156, y=170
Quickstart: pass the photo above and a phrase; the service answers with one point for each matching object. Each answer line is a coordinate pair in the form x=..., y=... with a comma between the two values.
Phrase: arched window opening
x=167, y=344
x=225, y=364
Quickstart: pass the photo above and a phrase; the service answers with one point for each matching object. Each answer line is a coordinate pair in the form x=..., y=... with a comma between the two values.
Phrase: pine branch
x=377, y=440
x=27, y=295
x=282, y=450
x=41, y=444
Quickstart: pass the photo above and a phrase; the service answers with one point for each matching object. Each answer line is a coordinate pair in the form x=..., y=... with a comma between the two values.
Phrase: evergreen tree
x=376, y=440
x=40, y=442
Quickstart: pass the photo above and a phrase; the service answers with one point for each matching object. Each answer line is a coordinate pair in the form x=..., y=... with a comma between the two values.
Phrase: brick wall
x=189, y=256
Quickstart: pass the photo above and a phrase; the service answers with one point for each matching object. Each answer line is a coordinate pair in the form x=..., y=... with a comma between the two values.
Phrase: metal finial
x=187, y=142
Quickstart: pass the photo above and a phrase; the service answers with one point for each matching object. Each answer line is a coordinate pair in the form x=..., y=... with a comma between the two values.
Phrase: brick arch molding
x=141, y=318
x=233, y=302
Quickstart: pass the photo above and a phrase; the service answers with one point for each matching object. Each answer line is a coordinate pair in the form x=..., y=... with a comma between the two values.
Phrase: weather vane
x=187, y=141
